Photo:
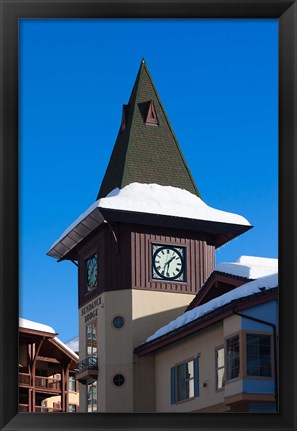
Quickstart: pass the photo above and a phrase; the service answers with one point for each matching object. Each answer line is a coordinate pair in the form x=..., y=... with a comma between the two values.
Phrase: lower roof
x=245, y=293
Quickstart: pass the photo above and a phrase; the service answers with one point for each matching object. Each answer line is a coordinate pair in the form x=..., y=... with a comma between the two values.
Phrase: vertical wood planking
x=126, y=263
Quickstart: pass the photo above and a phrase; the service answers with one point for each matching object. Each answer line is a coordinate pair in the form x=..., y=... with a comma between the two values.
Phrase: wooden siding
x=199, y=260
x=125, y=259
x=94, y=245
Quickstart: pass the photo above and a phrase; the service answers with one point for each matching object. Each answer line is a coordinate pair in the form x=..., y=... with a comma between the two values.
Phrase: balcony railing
x=24, y=379
x=40, y=382
x=90, y=363
x=47, y=383
x=87, y=370
x=23, y=408
x=42, y=409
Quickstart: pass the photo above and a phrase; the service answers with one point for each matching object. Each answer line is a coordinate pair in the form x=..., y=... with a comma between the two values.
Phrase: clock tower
x=143, y=251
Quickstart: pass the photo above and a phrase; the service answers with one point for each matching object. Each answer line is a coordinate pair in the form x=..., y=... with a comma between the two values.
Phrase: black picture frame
x=14, y=10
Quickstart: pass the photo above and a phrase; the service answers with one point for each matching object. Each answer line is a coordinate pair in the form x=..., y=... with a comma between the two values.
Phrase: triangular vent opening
x=151, y=118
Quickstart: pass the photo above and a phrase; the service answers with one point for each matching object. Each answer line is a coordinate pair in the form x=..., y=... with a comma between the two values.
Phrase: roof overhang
x=206, y=321
x=75, y=234
x=220, y=232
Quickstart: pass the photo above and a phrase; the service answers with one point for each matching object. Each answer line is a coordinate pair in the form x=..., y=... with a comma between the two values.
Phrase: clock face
x=91, y=272
x=168, y=263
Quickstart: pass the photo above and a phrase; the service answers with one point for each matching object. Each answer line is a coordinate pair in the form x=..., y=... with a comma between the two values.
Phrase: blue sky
x=217, y=80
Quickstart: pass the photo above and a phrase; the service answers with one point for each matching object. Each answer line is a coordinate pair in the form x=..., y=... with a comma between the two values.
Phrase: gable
x=216, y=285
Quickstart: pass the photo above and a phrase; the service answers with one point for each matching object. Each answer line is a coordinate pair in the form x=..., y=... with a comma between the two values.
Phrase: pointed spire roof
x=146, y=149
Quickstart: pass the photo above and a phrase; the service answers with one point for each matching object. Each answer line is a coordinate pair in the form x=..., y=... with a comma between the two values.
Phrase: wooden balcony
x=47, y=383
x=41, y=409
x=24, y=379
x=24, y=408
x=87, y=371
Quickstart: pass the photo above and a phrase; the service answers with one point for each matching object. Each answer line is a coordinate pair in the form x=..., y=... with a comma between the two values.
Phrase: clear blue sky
x=217, y=80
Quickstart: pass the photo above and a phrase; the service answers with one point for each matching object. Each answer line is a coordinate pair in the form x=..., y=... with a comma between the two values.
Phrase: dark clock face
x=92, y=272
x=168, y=262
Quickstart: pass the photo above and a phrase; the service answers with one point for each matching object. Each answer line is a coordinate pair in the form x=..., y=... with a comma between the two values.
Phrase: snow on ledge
x=253, y=287
x=249, y=267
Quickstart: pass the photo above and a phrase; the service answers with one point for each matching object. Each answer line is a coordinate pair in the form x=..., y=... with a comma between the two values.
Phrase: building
x=46, y=370
x=144, y=249
x=221, y=354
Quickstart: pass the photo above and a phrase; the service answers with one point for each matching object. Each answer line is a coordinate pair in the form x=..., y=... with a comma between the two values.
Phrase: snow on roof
x=250, y=288
x=67, y=348
x=29, y=324
x=156, y=199
x=249, y=267
x=165, y=200
x=73, y=344
x=36, y=326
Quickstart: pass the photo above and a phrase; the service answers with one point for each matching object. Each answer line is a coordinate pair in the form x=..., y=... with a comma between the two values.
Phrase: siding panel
x=124, y=255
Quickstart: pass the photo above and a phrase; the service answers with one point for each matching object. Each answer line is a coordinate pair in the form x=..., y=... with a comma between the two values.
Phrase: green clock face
x=92, y=272
x=168, y=263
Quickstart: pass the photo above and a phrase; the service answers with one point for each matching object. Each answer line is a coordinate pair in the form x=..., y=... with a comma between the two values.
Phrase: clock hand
x=170, y=260
x=167, y=264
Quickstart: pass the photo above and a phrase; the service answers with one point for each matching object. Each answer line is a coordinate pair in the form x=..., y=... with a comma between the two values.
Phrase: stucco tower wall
x=143, y=312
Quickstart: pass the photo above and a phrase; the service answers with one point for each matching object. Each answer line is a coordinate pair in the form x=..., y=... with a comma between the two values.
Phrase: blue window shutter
x=196, y=377
x=172, y=385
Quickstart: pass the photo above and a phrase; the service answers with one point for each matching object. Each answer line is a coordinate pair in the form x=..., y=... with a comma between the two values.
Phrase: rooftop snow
x=29, y=324
x=249, y=267
x=253, y=287
x=156, y=199
x=73, y=344
x=67, y=348
x=165, y=200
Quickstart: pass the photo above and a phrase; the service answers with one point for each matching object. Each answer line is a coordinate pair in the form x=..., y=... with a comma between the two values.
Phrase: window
x=72, y=408
x=91, y=340
x=258, y=355
x=71, y=384
x=118, y=322
x=92, y=397
x=119, y=380
x=185, y=381
x=220, y=367
x=233, y=362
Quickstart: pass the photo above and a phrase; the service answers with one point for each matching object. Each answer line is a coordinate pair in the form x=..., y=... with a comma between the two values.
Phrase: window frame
x=92, y=397
x=72, y=379
x=255, y=377
x=217, y=368
x=93, y=323
x=239, y=376
x=174, y=380
x=75, y=408
x=118, y=316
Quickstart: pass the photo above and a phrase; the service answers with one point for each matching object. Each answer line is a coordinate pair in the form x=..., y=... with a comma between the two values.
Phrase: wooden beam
x=45, y=359
x=33, y=372
x=67, y=388
x=63, y=406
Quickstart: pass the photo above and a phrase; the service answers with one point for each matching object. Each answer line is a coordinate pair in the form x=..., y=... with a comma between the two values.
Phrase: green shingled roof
x=146, y=153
